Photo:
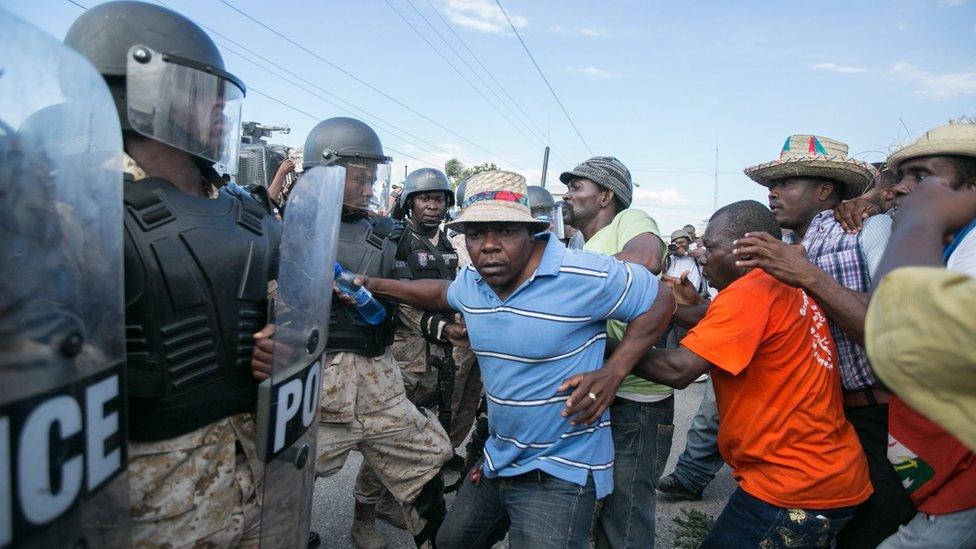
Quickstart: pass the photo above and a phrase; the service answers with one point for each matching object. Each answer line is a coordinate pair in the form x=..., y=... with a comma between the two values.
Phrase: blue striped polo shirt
x=551, y=328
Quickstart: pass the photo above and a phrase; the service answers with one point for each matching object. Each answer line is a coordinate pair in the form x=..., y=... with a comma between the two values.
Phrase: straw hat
x=957, y=139
x=496, y=197
x=815, y=156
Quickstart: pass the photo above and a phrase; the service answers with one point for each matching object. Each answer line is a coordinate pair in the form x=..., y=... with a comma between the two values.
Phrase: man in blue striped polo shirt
x=536, y=315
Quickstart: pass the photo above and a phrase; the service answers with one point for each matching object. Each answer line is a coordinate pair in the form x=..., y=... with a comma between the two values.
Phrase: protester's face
x=583, y=199
x=796, y=200
x=718, y=261
x=428, y=208
x=927, y=170
x=499, y=251
x=681, y=246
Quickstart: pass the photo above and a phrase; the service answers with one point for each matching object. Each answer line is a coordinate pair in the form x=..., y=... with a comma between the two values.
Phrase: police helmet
x=342, y=138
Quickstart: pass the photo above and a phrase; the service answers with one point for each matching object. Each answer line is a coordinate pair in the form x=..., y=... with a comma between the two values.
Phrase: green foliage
x=456, y=171
x=691, y=528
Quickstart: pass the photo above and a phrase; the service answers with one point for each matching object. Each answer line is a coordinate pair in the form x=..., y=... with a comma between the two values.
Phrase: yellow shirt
x=920, y=333
x=611, y=240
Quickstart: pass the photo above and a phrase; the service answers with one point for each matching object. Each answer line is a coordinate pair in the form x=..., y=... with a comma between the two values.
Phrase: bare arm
x=644, y=249
x=642, y=333
x=677, y=368
x=429, y=295
x=688, y=316
x=789, y=264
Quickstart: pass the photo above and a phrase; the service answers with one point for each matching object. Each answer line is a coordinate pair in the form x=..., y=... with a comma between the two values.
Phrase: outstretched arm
x=429, y=295
x=641, y=333
x=673, y=367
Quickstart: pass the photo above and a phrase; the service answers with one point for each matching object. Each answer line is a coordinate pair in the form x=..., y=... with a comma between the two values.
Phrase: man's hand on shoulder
x=852, y=213
x=784, y=262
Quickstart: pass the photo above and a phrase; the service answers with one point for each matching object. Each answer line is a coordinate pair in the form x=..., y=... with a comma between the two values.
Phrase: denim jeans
x=641, y=443
x=701, y=459
x=953, y=530
x=747, y=521
x=536, y=509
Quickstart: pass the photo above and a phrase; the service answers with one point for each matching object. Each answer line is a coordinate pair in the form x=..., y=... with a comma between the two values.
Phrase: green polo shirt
x=611, y=240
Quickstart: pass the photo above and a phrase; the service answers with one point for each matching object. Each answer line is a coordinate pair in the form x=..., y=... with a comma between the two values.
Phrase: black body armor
x=365, y=247
x=196, y=286
x=417, y=258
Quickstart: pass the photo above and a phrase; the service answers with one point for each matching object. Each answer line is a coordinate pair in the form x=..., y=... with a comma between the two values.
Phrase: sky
x=659, y=85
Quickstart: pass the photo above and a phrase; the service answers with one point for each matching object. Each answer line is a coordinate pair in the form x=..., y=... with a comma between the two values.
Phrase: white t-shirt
x=681, y=264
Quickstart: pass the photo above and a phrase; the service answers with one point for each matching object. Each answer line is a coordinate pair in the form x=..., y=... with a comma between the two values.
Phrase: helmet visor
x=189, y=108
x=367, y=185
x=553, y=216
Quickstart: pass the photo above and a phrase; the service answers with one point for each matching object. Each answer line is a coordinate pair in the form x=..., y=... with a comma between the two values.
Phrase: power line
x=365, y=83
x=477, y=59
x=319, y=118
x=473, y=71
x=456, y=70
x=380, y=120
x=544, y=79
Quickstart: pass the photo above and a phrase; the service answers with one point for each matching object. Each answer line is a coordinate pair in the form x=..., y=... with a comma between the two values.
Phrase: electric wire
x=544, y=79
x=365, y=83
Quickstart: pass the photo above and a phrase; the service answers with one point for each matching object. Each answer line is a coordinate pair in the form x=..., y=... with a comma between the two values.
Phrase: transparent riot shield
x=288, y=401
x=62, y=402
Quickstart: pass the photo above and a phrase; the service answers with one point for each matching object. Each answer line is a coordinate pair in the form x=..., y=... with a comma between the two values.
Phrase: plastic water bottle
x=371, y=310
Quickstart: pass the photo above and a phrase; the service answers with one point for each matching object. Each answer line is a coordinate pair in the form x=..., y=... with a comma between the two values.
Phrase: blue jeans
x=641, y=444
x=536, y=509
x=701, y=459
x=747, y=521
x=953, y=530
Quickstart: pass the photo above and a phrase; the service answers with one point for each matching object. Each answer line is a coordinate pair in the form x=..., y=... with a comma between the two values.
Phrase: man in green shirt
x=598, y=197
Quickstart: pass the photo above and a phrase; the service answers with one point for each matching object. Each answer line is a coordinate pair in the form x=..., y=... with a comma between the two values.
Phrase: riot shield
x=63, y=454
x=288, y=401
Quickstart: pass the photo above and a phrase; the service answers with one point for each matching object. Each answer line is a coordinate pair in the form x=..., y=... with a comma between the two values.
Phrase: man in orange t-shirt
x=800, y=467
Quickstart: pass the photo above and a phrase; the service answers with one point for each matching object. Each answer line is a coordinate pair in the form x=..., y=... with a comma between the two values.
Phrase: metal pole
x=545, y=166
x=404, y=172
x=715, y=198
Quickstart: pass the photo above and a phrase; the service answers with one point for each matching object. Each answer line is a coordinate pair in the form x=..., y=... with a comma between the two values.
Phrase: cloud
x=481, y=15
x=840, y=69
x=933, y=86
x=930, y=86
x=584, y=31
x=591, y=72
x=665, y=197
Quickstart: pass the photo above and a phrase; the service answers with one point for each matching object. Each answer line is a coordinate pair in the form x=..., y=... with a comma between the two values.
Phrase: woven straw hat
x=496, y=197
x=952, y=139
x=815, y=156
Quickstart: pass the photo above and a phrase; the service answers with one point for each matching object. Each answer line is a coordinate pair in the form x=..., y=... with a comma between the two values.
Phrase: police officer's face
x=499, y=251
x=359, y=187
x=428, y=208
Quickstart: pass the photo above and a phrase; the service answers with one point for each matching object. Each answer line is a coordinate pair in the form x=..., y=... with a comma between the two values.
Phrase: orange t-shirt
x=777, y=387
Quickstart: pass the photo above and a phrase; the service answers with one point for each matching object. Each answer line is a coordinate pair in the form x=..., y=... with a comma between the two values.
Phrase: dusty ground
x=333, y=500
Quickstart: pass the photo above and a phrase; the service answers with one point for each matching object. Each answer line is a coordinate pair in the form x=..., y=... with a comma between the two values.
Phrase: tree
x=456, y=171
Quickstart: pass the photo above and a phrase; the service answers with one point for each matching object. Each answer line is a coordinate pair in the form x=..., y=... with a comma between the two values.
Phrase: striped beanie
x=607, y=172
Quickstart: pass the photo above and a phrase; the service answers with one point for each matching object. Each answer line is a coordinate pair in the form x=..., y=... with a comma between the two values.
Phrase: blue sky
x=659, y=85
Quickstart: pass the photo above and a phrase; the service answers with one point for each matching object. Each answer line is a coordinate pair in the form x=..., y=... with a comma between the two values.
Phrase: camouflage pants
x=405, y=447
x=197, y=489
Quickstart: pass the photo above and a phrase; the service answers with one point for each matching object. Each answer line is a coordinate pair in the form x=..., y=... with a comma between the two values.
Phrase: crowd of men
x=833, y=327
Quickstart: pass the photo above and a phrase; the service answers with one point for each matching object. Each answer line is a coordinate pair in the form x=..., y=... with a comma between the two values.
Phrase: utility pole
x=715, y=198
x=404, y=172
x=545, y=166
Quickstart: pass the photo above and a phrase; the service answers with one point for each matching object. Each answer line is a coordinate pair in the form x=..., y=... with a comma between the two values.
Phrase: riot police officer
x=198, y=261
x=420, y=346
x=544, y=208
x=363, y=403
